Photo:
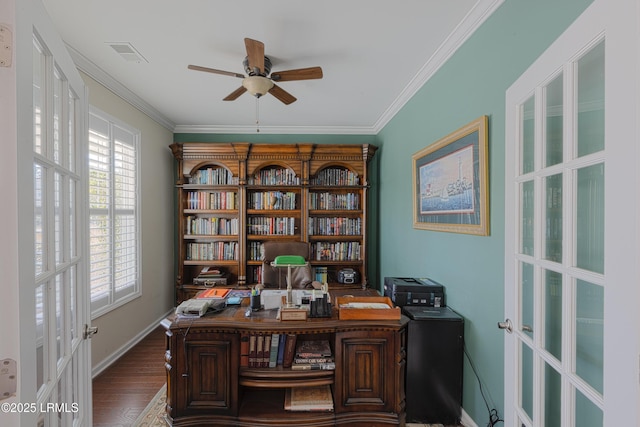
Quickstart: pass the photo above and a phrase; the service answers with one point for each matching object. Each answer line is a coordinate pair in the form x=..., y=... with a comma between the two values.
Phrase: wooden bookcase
x=232, y=197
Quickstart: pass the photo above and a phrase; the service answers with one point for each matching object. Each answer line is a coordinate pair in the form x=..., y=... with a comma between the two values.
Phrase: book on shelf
x=317, y=398
x=273, y=352
x=321, y=274
x=301, y=360
x=313, y=349
x=326, y=366
x=252, y=350
x=266, y=351
x=313, y=355
x=281, y=345
x=244, y=350
x=289, y=350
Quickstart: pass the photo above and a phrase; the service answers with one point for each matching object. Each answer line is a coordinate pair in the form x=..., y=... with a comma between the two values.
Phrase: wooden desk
x=206, y=386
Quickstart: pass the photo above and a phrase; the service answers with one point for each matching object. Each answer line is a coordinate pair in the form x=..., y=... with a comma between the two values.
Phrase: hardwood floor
x=124, y=389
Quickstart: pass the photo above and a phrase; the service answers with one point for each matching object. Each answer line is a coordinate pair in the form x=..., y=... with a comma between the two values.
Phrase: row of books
x=214, y=251
x=275, y=176
x=333, y=201
x=335, y=226
x=213, y=176
x=264, y=350
x=255, y=250
x=258, y=350
x=223, y=200
x=267, y=225
x=272, y=200
x=212, y=226
x=335, y=176
x=336, y=251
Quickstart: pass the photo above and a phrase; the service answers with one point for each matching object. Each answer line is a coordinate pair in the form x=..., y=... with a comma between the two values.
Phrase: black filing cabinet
x=434, y=365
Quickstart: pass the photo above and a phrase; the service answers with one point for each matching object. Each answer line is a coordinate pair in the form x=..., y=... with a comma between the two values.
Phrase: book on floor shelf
x=309, y=399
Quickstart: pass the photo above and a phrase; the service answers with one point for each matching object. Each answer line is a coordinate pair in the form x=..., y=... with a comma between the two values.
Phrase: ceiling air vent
x=128, y=52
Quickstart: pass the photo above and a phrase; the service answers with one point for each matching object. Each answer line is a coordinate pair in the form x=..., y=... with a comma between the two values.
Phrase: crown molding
x=282, y=130
x=471, y=22
x=99, y=75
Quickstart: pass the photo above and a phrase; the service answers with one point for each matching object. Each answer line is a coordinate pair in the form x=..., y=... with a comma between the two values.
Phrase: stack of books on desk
x=313, y=354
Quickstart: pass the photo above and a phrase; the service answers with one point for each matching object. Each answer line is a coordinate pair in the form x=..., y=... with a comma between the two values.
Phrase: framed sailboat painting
x=450, y=187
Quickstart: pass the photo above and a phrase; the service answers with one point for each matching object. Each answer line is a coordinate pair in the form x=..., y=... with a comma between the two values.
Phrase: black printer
x=405, y=291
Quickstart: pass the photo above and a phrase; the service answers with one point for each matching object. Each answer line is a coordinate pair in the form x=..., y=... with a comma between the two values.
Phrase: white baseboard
x=466, y=420
x=108, y=361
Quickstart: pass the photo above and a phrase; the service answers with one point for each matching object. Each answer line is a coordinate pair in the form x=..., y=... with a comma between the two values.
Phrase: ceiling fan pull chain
x=257, y=114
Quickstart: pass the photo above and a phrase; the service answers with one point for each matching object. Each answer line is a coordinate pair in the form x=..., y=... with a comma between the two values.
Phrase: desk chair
x=273, y=277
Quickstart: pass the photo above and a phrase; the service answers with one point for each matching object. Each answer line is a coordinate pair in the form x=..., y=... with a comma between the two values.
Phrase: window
x=113, y=212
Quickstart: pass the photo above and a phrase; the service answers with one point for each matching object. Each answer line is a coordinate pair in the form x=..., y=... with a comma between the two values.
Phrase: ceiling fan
x=258, y=81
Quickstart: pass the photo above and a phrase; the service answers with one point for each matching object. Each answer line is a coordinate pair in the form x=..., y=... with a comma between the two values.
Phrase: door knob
x=506, y=325
x=89, y=331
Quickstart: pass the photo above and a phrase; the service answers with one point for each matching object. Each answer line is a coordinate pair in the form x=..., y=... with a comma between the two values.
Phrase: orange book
x=214, y=293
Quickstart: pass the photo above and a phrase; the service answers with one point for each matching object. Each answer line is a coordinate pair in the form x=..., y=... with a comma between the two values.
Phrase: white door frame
x=619, y=21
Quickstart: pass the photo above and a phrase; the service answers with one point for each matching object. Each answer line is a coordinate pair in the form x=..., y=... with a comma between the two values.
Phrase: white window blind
x=113, y=212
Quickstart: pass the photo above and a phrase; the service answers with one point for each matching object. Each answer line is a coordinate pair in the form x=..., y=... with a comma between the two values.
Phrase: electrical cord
x=494, y=418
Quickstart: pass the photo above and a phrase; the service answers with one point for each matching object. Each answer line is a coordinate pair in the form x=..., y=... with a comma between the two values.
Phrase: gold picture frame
x=450, y=182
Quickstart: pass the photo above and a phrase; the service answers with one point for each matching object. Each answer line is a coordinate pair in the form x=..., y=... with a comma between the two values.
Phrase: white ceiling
x=374, y=54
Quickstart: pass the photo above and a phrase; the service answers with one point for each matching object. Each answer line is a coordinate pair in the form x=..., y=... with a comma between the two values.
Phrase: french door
x=571, y=248
x=54, y=281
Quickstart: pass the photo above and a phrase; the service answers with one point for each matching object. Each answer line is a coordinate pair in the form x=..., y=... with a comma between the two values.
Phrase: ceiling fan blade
x=299, y=74
x=282, y=95
x=214, y=71
x=235, y=94
x=255, y=53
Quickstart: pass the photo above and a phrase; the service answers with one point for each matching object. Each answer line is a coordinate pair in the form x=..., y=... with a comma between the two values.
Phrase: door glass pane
x=552, y=397
x=40, y=218
x=57, y=218
x=528, y=134
x=554, y=118
x=589, y=333
x=590, y=108
x=526, y=279
x=59, y=335
x=526, y=375
x=72, y=218
x=586, y=413
x=71, y=146
x=73, y=321
x=38, y=98
x=553, y=218
x=57, y=113
x=527, y=237
x=41, y=323
x=553, y=313
x=590, y=218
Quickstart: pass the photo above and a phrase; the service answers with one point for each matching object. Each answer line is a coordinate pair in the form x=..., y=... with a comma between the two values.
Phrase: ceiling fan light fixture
x=257, y=85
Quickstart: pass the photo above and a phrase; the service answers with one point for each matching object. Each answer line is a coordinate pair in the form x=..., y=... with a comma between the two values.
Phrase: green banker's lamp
x=289, y=261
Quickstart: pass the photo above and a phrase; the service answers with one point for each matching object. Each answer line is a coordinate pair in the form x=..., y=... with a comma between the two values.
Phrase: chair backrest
x=276, y=277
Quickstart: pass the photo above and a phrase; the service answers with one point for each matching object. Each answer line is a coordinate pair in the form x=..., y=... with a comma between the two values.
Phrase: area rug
x=153, y=414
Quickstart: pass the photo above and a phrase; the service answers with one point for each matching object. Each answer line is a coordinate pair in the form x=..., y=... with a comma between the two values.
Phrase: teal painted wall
x=471, y=84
